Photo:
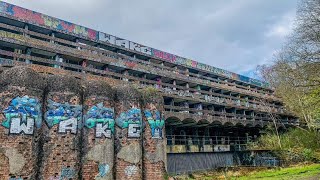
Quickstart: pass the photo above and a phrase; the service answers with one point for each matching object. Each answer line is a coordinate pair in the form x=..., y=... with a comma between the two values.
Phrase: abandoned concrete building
x=199, y=117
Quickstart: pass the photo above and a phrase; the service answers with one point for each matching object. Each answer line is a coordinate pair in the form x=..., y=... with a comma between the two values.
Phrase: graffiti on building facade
x=103, y=170
x=22, y=114
x=221, y=148
x=102, y=119
x=131, y=119
x=67, y=173
x=33, y=17
x=130, y=170
x=155, y=121
x=60, y=25
x=67, y=116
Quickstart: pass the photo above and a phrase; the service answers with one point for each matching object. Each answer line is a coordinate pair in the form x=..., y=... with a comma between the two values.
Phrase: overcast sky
x=236, y=35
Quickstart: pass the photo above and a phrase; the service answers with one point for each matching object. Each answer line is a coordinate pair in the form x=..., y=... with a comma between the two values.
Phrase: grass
x=299, y=172
x=292, y=173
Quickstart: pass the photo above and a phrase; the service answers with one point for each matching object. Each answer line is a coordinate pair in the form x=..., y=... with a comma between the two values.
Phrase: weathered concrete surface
x=131, y=153
x=61, y=150
x=18, y=150
x=126, y=167
x=98, y=150
x=154, y=146
x=64, y=145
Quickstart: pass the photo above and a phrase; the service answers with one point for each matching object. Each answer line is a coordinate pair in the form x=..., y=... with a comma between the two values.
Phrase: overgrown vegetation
x=297, y=145
x=298, y=172
x=295, y=74
x=296, y=70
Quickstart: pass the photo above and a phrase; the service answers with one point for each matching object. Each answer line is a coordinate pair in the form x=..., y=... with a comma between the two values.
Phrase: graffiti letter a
x=68, y=125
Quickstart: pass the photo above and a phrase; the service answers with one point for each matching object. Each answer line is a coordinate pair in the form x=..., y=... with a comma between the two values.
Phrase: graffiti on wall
x=131, y=119
x=64, y=26
x=22, y=114
x=131, y=170
x=124, y=43
x=102, y=119
x=155, y=121
x=67, y=173
x=33, y=17
x=103, y=170
x=221, y=148
x=67, y=116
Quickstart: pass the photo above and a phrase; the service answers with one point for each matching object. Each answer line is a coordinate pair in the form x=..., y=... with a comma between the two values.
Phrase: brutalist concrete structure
x=205, y=109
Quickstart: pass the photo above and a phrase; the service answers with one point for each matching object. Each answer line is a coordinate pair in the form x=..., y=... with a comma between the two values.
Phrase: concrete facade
x=84, y=104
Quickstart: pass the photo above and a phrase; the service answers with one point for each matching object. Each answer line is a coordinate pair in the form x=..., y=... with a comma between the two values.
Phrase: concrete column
x=185, y=105
x=26, y=27
x=63, y=116
x=28, y=52
x=154, y=144
x=128, y=145
x=77, y=41
x=159, y=81
x=125, y=73
x=98, y=131
x=187, y=87
x=174, y=83
x=22, y=92
x=187, y=72
x=199, y=89
x=58, y=59
x=199, y=107
x=52, y=35
x=84, y=64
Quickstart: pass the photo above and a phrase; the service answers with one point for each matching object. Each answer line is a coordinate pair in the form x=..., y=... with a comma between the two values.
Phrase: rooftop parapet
x=59, y=25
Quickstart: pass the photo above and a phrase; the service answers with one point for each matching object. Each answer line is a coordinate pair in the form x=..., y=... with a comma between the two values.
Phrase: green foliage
x=301, y=171
x=291, y=173
x=297, y=145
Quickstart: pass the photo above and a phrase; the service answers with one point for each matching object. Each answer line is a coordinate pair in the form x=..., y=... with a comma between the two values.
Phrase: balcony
x=195, y=144
x=95, y=54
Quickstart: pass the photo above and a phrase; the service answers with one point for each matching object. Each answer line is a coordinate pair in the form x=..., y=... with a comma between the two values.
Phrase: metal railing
x=206, y=140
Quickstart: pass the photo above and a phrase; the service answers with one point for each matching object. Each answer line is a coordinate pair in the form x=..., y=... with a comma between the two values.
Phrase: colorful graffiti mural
x=67, y=116
x=132, y=120
x=101, y=118
x=67, y=173
x=22, y=114
x=64, y=26
x=156, y=122
x=103, y=170
x=33, y=17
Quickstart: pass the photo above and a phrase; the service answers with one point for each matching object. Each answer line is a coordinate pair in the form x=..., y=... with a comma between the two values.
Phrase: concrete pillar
x=28, y=52
x=128, y=145
x=84, y=65
x=52, y=35
x=187, y=72
x=174, y=83
x=21, y=95
x=77, y=41
x=154, y=144
x=125, y=72
x=26, y=27
x=159, y=82
x=58, y=59
x=63, y=116
x=185, y=105
x=199, y=107
x=98, y=131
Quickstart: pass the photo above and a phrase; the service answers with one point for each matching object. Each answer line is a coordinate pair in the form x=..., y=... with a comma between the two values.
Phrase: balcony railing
x=163, y=86
x=204, y=80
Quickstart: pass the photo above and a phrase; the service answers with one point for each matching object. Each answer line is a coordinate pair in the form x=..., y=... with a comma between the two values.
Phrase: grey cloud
x=229, y=34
